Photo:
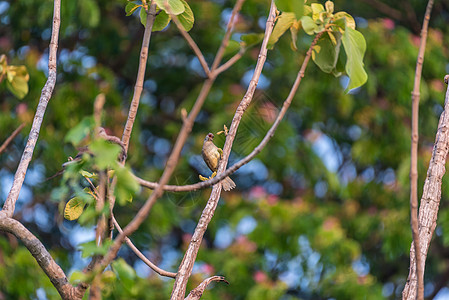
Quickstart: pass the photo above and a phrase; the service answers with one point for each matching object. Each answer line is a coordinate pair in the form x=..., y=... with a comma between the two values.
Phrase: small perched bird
x=212, y=155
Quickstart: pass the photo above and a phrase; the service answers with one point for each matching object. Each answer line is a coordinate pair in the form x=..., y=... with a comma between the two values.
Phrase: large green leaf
x=186, y=18
x=294, y=6
x=176, y=6
x=105, y=153
x=284, y=22
x=126, y=186
x=130, y=8
x=308, y=25
x=161, y=21
x=355, y=45
x=80, y=131
x=325, y=53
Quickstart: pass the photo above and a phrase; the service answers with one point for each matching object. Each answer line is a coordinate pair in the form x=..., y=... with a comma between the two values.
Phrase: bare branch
x=227, y=36
x=229, y=63
x=11, y=137
x=414, y=155
x=191, y=43
x=141, y=255
x=430, y=199
x=197, y=292
x=140, y=77
x=185, y=269
x=10, y=203
x=43, y=258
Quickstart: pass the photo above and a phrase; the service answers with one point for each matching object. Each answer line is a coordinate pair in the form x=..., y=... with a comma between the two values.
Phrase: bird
x=211, y=156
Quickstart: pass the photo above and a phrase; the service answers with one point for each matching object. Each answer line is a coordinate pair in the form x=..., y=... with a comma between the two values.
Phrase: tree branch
x=197, y=292
x=185, y=269
x=141, y=255
x=414, y=155
x=10, y=203
x=430, y=199
x=11, y=137
x=140, y=77
x=43, y=258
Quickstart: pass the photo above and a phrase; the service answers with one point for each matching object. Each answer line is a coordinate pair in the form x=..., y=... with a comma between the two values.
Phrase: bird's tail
x=228, y=184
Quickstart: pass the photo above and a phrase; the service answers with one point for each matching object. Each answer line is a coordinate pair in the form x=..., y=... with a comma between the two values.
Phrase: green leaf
x=294, y=6
x=355, y=45
x=232, y=47
x=284, y=22
x=126, y=186
x=161, y=21
x=125, y=272
x=88, y=174
x=186, y=18
x=105, y=153
x=90, y=249
x=18, y=86
x=78, y=277
x=130, y=8
x=143, y=17
x=308, y=25
x=80, y=131
x=176, y=6
x=73, y=209
x=325, y=53
x=251, y=39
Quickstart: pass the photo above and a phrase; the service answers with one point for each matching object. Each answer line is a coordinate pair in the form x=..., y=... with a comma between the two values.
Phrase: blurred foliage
x=323, y=210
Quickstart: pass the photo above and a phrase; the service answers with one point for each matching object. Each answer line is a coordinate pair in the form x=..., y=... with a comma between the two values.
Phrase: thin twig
x=191, y=43
x=185, y=269
x=10, y=203
x=141, y=255
x=140, y=77
x=197, y=292
x=229, y=63
x=430, y=199
x=414, y=155
x=11, y=137
x=170, y=167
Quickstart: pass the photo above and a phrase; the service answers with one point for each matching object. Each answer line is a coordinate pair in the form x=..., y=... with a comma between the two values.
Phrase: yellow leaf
x=73, y=209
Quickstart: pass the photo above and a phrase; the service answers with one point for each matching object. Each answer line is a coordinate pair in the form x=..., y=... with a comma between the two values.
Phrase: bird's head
x=209, y=137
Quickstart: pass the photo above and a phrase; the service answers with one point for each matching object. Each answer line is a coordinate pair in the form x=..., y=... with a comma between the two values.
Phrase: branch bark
x=10, y=203
x=140, y=77
x=414, y=155
x=430, y=199
x=185, y=269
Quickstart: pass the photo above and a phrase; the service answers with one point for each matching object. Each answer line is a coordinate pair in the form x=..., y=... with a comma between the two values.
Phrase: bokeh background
x=321, y=213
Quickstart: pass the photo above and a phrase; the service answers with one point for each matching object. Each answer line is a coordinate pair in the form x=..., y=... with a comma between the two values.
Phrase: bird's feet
x=202, y=178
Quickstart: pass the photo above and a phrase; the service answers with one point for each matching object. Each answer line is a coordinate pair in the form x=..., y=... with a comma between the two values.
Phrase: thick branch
x=43, y=258
x=11, y=137
x=140, y=77
x=430, y=199
x=414, y=155
x=185, y=269
x=10, y=203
